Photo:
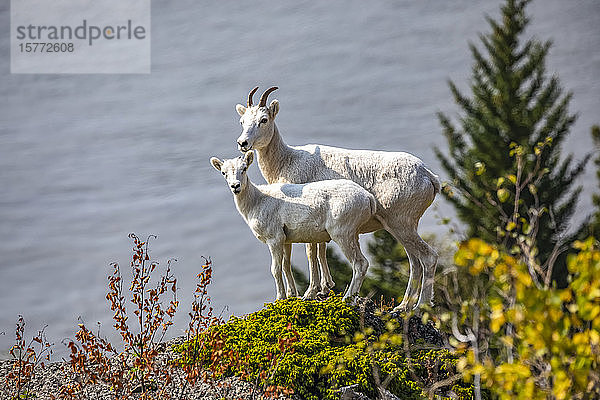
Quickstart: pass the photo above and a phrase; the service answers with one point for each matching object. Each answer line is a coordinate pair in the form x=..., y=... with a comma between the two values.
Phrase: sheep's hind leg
x=287, y=270
x=423, y=261
x=431, y=259
x=406, y=235
x=313, y=286
x=414, y=281
x=427, y=262
x=326, y=280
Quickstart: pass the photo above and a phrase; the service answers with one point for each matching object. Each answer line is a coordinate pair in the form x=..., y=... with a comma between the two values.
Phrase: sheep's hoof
x=309, y=295
x=401, y=308
x=324, y=291
x=321, y=297
x=350, y=299
x=428, y=304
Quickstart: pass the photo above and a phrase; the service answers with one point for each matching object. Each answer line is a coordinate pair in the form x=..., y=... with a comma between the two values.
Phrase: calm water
x=84, y=160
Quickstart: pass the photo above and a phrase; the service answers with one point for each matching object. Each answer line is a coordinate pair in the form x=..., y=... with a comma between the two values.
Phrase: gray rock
x=349, y=393
x=386, y=395
x=49, y=380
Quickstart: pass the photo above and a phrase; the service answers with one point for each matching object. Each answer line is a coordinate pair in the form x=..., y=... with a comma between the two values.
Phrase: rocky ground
x=47, y=381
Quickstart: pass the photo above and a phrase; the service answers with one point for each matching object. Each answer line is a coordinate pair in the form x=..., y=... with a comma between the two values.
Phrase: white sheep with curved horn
x=284, y=213
x=402, y=185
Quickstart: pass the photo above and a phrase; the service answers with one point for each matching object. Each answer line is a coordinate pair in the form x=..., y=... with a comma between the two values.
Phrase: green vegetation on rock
x=327, y=349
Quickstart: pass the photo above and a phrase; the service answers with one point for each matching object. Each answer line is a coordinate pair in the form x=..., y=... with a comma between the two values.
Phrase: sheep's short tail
x=435, y=181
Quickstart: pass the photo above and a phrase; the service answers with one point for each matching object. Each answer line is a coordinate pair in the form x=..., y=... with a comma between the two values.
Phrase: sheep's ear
x=274, y=108
x=216, y=163
x=240, y=109
x=249, y=157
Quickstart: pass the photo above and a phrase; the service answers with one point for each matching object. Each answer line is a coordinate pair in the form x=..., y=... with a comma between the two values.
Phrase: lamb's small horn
x=263, y=98
x=250, y=96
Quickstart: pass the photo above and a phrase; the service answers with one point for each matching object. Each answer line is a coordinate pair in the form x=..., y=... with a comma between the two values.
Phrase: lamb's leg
x=326, y=280
x=313, y=286
x=287, y=270
x=276, y=249
x=351, y=249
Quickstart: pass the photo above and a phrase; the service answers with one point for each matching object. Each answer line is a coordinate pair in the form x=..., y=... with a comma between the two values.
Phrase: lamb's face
x=234, y=171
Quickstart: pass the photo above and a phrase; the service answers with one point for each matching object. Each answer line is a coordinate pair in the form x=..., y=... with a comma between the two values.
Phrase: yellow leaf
x=532, y=188
x=461, y=364
x=477, y=369
x=503, y=195
x=497, y=322
x=479, y=168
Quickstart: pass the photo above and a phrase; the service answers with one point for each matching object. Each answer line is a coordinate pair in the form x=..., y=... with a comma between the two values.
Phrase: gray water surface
x=84, y=160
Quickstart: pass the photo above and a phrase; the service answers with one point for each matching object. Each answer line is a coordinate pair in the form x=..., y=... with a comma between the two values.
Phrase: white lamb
x=402, y=185
x=281, y=214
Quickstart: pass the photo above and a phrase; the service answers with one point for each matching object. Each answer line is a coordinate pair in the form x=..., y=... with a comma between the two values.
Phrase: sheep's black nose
x=235, y=185
x=243, y=144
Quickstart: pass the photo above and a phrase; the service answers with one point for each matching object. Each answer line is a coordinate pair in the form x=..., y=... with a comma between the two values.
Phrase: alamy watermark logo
x=80, y=36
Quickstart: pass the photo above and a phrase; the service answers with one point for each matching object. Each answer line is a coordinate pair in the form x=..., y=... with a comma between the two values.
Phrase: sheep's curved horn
x=250, y=96
x=263, y=98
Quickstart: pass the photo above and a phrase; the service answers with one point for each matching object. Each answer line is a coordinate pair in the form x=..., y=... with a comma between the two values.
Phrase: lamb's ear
x=216, y=163
x=249, y=157
x=273, y=108
x=240, y=109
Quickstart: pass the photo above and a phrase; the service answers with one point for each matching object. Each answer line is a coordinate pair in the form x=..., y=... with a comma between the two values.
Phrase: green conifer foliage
x=512, y=101
x=595, y=222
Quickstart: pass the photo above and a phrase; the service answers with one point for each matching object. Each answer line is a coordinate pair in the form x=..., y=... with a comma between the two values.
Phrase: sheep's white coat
x=283, y=213
x=402, y=185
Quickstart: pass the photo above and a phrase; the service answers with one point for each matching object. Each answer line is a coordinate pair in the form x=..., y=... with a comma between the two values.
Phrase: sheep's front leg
x=287, y=270
x=313, y=267
x=276, y=249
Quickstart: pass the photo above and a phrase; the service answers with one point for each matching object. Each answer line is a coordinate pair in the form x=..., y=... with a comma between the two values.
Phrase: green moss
x=323, y=358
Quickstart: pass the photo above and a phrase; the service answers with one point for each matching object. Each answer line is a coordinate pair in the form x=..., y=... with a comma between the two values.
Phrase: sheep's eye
x=263, y=121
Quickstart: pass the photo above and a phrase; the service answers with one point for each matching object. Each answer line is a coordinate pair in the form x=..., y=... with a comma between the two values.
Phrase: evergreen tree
x=594, y=228
x=513, y=102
